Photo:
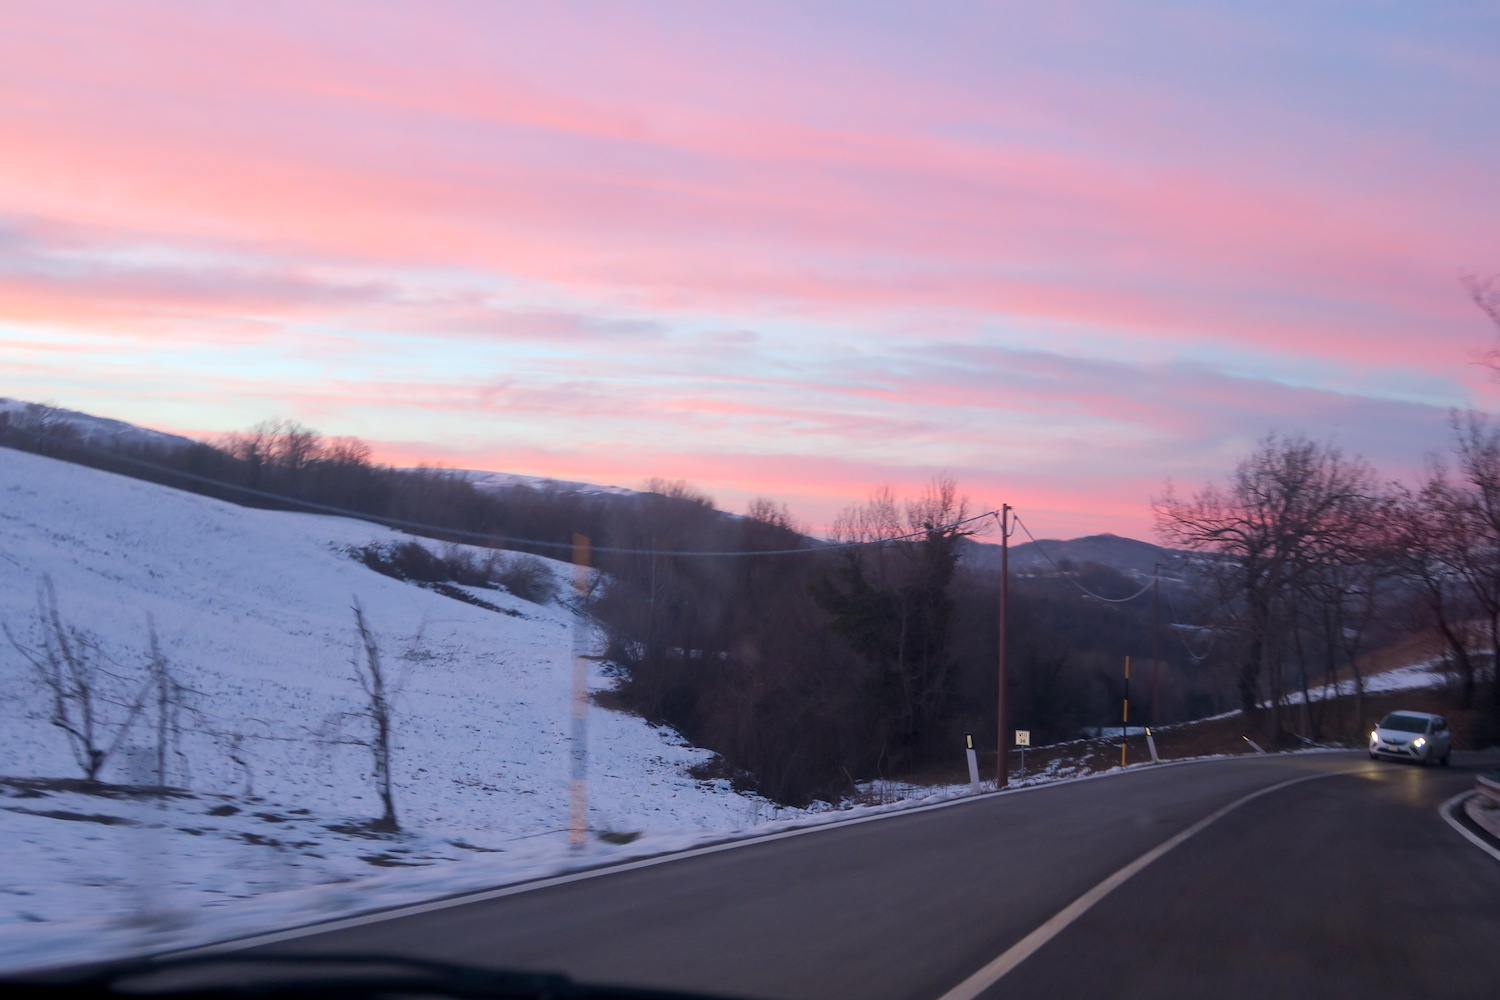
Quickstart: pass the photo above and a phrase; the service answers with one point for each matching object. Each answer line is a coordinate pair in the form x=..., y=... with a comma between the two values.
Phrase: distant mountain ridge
x=99, y=431
x=1129, y=556
x=500, y=481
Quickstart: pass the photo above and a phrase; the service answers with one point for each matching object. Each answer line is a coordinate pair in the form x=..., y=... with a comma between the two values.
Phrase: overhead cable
x=490, y=540
x=1099, y=597
x=1178, y=632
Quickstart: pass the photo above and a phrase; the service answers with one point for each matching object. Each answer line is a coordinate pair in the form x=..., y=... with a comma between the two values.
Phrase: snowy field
x=253, y=613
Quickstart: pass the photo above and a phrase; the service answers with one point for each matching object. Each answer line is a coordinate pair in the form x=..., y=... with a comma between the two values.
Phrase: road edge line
x=1023, y=949
x=1447, y=809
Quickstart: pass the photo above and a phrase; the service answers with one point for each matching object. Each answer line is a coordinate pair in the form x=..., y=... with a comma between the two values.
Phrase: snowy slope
x=1426, y=674
x=502, y=481
x=99, y=431
x=253, y=609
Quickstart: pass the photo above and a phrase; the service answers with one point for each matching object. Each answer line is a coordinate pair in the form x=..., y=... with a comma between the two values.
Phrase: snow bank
x=1409, y=678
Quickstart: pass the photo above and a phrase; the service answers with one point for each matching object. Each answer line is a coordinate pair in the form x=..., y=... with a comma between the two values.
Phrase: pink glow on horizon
x=816, y=501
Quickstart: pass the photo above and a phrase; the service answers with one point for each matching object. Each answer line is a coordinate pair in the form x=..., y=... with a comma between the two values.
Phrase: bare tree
x=372, y=681
x=1477, y=447
x=678, y=489
x=1451, y=532
x=1434, y=540
x=1344, y=591
x=278, y=446
x=1290, y=505
x=347, y=451
x=1485, y=291
x=765, y=511
x=93, y=705
x=877, y=518
x=892, y=605
x=171, y=701
x=294, y=445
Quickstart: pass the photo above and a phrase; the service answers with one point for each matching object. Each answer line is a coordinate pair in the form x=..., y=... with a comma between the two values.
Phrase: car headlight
x=1374, y=736
x=1418, y=743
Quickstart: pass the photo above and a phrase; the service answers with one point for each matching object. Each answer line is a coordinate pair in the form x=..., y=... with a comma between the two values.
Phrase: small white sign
x=1023, y=737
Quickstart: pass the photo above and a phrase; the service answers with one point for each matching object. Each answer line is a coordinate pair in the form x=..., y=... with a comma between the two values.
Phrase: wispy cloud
x=1062, y=255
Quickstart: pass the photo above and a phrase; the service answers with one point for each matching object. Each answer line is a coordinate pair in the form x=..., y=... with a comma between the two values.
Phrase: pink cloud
x=589, y=188
x=793, y=193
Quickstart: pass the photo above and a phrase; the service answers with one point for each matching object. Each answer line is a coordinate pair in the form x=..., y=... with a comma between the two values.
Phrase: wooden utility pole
x=578, y=799
x=1002, y=757
x=1155, y=638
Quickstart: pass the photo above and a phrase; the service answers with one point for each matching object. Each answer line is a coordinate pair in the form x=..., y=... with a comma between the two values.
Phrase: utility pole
x=578, y=747
x=1002, y=761
x=1155, y=637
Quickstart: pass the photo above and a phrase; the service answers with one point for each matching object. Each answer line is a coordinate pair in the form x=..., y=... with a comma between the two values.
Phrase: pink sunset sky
x=1061, y=251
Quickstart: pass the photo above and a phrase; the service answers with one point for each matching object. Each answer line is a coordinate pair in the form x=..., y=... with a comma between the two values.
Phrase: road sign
x=1023, y=737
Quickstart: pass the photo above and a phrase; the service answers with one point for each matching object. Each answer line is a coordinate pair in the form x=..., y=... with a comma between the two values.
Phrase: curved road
x=1345, y=884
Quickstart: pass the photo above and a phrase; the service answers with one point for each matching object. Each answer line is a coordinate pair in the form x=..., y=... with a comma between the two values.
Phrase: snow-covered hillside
x=502, y=481
x=99, y=431
x=253, y=612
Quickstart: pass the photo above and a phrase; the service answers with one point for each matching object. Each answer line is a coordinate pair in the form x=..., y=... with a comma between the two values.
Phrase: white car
x=1418, y=736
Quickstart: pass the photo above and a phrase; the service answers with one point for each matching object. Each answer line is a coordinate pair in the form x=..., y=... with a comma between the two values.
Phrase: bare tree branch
x=372, y=681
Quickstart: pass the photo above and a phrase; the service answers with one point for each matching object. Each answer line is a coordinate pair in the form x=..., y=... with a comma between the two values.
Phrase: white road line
x=1446, y=811
x=1023, y=949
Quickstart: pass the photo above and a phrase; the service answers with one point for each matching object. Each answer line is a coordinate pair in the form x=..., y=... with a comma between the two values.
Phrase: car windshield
x=661, y=467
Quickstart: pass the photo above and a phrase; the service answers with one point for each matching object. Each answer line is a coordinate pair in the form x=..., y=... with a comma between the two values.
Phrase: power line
x=490, y=540
x=1197, y=657
x=1061, y=571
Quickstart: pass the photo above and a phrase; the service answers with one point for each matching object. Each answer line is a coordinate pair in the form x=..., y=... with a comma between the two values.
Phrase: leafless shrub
x=372, y=680
x=92, y=701
x=527, y=577
x=172, y=702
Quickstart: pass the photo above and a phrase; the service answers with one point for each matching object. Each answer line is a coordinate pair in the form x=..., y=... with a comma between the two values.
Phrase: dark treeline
x=809, y=667
x=804, y=672
x=807, y=673
x=1067, y=655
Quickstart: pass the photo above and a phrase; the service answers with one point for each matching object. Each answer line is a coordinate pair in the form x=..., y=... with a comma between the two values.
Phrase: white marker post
x=973, y=765
x=1023, y=740
x=1151, y=742
x=578, y=805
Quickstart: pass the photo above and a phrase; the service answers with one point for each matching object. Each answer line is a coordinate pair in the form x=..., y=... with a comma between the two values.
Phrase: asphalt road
x=1345, y=885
